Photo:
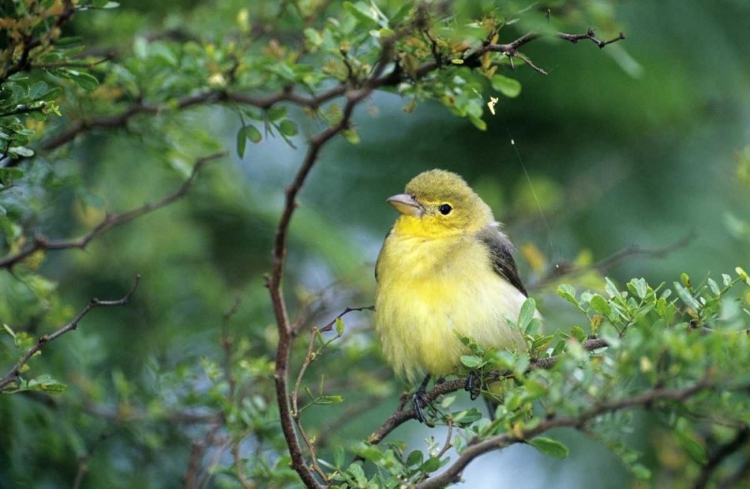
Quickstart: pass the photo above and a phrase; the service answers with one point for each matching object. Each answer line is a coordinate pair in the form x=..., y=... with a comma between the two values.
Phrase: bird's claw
x=421, y=401
x=471, y=386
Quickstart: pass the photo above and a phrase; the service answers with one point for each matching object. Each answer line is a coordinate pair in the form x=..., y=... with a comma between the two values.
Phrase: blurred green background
x=634, y=144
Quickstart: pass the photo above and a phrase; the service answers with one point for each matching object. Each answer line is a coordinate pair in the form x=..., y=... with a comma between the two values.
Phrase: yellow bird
x=445, y=271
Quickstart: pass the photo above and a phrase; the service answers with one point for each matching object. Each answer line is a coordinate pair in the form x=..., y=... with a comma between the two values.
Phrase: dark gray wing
x=501, y=250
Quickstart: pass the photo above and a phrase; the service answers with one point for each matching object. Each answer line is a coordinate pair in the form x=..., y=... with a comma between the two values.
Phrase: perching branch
x=648, y=398
x=15, y=372
x=42, y=243
x=406, y=412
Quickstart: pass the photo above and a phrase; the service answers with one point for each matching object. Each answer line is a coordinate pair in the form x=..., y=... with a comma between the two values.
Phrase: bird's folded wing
x=500, y=249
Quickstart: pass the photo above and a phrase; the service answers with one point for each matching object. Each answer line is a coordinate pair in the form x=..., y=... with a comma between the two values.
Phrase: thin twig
x=42, y=243
x=84, y=459
x=15, y=372
x=297, y=414
x=611, y=261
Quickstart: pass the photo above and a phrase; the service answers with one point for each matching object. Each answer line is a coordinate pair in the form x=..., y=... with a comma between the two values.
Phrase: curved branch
x=274, y=280
x=404, y=414
x=393, y=78
x=42, y=243
x=648, y=398
x=15, y=372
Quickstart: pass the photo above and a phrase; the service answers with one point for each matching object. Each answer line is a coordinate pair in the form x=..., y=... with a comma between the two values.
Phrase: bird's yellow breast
x=433, y=291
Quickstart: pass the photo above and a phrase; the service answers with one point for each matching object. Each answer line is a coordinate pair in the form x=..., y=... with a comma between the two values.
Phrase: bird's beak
x=406, y=205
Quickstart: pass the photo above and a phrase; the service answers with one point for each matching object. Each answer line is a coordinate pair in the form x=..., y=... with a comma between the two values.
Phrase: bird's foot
x=472, y=386
x=421, y=401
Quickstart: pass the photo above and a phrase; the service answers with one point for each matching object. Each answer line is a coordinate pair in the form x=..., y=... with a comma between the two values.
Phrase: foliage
x=108, y=117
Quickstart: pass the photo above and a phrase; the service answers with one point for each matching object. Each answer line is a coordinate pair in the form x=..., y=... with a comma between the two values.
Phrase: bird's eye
x=445, y=209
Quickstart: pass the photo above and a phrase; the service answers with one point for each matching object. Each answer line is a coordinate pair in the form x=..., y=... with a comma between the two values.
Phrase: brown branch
x=726, y=450
x=377, y=80
x=574, y=38
x=202, y=98
x=15, y=372
x=29, y=44
x=274, y=280
x=83, y=460
x=404, y=413
x=75, y=64
x=511, y=49
x=329, y=326
x=615, y=259
x=42, y=243
x=474, y=450
x=297, y=414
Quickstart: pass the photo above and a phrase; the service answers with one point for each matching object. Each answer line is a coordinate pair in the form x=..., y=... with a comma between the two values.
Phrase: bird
x=445, y=271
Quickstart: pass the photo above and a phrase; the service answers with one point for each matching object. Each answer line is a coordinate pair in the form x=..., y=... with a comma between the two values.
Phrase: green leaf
x=640, y=286
x=252, y=133
x=351, y=136
x=12, y=173
x=241, y=142
x=693, y=447
x=578, y=333
x=527, y=313
x=83, y=80
x=339, y=326
x=611, y=289
x=415, y=458
x=686, y=296
x=47, y=384
x=507, y=86
x=276, y=112
x=471, y=361
x=361, y=12
x=550, y=447
x=338, y=456
x=601, y=305
x=685, y=279
x=478, y=122
x=714, y=287
x=640, y=471
x=9, y=330
x=288, y=128
x=37, y=90
x=430, y=465
x=21, y=151
x=533, y=326
x=567, y=292
x=52, y=94
x=726, y=279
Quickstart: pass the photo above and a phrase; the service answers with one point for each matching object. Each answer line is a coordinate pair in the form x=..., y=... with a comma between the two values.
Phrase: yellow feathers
x=445, y=271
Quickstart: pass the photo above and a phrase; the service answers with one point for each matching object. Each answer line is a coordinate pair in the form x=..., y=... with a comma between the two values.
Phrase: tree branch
x=42, y=243
x=404, y=413
x=44, y=339
x=312, y=102
x=474, y=450
x=741, y=439
x=274, y=280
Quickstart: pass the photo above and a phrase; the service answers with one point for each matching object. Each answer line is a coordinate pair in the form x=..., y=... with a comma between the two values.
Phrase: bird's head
x=439, y=203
